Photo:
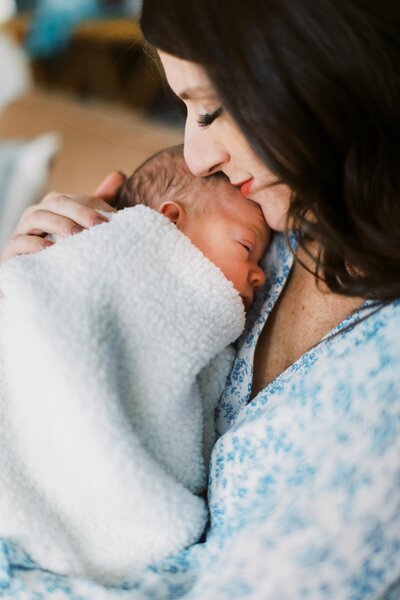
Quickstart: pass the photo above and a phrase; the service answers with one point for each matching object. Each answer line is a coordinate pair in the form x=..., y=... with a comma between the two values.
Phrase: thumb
x=108, y=189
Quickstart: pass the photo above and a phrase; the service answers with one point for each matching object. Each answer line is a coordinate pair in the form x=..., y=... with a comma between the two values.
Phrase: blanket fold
x=102, y=339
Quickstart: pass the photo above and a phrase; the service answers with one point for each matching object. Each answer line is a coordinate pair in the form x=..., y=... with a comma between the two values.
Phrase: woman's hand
x=62, y=215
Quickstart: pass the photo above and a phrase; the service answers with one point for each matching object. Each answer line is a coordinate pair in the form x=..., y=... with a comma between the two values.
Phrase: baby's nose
x=256, y=277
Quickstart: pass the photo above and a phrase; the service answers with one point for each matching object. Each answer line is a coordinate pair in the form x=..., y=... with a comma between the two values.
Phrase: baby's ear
x=174, y=212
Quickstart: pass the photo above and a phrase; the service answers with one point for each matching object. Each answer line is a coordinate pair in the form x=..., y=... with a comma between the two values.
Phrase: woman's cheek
x=275, y=203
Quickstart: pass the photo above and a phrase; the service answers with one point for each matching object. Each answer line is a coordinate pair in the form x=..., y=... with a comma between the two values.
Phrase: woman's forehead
x=187, y=79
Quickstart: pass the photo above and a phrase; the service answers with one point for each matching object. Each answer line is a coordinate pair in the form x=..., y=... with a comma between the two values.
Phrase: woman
x=296, y=102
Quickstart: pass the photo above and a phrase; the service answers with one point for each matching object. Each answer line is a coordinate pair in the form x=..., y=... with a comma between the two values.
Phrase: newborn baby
x=123, y=336
x=229, y=229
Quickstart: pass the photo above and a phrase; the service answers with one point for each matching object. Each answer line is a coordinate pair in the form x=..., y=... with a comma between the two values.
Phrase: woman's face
x=213, y=142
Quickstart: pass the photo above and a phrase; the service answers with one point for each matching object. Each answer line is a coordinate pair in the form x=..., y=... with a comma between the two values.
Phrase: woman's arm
x=63, y=215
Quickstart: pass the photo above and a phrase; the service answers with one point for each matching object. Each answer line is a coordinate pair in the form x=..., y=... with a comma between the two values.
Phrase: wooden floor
x=97, y=139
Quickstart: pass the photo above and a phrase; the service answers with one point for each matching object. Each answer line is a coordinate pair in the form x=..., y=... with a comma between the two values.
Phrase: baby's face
x=233, y=234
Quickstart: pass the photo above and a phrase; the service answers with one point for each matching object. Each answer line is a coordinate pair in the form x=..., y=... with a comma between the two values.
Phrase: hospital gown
x=304, y=488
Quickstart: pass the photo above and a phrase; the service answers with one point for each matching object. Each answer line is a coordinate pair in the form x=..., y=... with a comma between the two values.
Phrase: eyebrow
x=259, y=233
x=254, y=230
x=198, y=91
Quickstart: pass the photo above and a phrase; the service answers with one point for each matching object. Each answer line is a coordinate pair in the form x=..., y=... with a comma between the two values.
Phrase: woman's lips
x=245, y=187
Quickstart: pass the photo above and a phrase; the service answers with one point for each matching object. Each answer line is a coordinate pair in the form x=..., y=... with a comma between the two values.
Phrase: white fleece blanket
x=102, y=440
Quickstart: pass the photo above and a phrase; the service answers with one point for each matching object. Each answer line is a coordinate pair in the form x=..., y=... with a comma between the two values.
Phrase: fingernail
x=47, y=243
x=76, y=229
x=99, y=220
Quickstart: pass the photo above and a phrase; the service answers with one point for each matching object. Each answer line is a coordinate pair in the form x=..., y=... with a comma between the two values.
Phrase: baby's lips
x=246, y=301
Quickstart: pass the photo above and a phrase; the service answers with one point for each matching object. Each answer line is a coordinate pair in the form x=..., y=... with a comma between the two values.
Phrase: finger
x=45, y=221
x=108, y=189
x=24, y=244
x=93, y=202
x=69, y=207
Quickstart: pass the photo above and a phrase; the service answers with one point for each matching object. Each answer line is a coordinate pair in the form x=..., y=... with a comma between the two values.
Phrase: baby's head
x=229, y=229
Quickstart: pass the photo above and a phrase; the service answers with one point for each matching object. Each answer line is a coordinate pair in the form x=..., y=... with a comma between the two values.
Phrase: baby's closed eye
x=247, y=246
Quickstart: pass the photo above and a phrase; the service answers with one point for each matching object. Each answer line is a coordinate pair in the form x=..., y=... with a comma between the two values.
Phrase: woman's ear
x=174, y=212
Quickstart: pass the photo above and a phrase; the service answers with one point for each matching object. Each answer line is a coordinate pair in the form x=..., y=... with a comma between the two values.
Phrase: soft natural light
x=7, y=9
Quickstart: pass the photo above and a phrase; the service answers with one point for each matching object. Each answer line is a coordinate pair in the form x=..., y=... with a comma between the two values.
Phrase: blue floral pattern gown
x=304, y=486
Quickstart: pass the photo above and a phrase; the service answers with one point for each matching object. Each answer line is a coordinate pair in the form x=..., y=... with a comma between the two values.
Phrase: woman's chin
x=275, y=204
x=275, y=220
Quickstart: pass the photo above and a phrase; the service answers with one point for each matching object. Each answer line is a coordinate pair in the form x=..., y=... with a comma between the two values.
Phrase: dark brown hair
x=166, y=177
x=161, y=177
x=315, y=87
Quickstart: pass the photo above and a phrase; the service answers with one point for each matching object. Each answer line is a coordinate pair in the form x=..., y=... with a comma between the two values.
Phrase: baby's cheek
x=237, y=275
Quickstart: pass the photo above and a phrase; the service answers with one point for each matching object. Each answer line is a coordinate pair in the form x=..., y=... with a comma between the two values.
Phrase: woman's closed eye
x=208, y=118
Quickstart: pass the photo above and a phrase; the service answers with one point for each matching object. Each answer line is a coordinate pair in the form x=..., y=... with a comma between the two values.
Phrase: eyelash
x=246, y=247
x=208, y=118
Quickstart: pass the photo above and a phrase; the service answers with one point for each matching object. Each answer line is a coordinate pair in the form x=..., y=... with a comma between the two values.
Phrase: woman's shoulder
x=374, y=331
x=359, y=369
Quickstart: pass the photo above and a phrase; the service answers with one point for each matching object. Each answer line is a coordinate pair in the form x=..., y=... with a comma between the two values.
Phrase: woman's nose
x=204, y=154
x=256, y=276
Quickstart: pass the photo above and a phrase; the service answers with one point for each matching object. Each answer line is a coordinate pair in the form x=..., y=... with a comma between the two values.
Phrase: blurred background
x=79, y=98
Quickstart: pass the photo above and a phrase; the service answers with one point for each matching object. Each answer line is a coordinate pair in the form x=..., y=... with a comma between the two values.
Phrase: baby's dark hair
x=162, y=177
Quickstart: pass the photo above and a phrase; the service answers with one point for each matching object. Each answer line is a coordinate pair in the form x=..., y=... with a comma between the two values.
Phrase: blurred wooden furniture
x=114, y=30
x=98, y=138
x=104, y=59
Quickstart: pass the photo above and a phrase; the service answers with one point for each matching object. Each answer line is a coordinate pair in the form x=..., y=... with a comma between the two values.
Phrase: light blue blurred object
x=54, y=23
x=24, y=166
x=133, y=7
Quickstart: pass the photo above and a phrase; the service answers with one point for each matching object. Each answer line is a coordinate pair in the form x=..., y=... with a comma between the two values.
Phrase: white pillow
x=23, y=172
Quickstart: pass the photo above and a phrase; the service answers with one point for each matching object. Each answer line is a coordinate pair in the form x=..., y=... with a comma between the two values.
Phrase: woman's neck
x=314, y=296
x=305, y=312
